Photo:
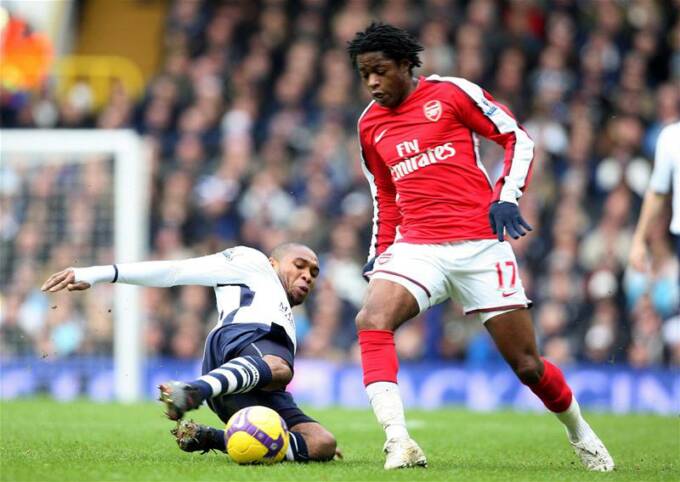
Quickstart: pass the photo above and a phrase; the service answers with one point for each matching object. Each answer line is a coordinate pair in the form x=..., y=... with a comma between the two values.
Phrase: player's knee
x=323, y=445
x=529, y=370
x=282, y=374
x=368, y=319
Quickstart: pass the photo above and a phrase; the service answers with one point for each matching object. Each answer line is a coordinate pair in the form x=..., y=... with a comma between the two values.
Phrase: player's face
x=298, y=270
x=388, y=82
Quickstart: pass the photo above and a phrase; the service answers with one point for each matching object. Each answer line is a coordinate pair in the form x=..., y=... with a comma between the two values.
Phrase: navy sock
x=239, y=375
x=297, y=450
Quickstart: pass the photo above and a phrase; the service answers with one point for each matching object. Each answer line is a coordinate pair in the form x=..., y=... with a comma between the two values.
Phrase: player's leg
x=241, y=374
x=193, y=437
x=228, y=368
x=401, y=286
x=477, y=268
x=321, y=444
x=308, y=439
x=514, y=336
x=386, y=307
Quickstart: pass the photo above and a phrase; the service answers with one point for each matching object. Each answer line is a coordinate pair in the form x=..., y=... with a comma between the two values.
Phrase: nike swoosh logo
x=379, y=136
x=505, y=295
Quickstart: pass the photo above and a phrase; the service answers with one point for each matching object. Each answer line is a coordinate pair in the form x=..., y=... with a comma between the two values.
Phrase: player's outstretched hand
x=505, y=216
x=64, y=279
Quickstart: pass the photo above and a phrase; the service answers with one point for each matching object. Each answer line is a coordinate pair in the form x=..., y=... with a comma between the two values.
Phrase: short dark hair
x=282, y=249
x=393, y=42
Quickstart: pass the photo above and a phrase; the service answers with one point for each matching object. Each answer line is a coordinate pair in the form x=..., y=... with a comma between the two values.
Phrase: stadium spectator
x=593, y=82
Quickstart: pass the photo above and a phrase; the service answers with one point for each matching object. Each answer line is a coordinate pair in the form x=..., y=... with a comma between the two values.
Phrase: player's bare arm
x=651, y=208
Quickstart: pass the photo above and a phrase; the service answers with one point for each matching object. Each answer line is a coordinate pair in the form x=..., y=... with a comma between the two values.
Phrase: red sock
x=378, y=356
x=552, y=388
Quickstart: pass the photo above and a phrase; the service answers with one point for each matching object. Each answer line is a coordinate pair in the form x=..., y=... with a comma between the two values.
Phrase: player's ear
x=273, y=262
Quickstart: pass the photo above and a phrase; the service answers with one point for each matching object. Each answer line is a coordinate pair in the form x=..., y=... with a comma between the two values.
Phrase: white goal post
x=131, y=176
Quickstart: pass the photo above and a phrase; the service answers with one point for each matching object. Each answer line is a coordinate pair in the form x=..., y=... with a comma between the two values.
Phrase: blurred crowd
x=251, y=128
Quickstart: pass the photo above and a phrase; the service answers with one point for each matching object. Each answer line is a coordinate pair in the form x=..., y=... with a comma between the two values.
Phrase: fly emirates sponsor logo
x=414, y=159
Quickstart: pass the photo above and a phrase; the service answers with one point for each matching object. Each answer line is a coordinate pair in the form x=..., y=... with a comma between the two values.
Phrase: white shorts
x=480, y=275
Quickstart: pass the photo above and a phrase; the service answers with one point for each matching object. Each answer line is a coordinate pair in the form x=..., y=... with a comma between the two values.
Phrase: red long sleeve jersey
x=422, y=162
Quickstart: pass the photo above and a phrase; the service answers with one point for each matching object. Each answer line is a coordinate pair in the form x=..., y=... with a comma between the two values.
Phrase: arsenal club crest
x=433, y=110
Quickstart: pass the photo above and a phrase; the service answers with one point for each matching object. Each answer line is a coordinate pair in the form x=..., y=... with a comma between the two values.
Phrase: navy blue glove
x=368, y=267
x=506, y=216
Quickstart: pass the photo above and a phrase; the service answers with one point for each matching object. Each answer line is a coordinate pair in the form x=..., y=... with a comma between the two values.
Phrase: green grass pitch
x=43, y=441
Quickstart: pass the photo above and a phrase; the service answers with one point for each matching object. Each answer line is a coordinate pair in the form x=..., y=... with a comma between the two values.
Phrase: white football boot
x=593, y=454
x=403, y=452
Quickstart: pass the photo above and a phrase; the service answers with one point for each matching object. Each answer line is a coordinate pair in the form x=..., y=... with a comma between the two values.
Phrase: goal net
x=71, y=198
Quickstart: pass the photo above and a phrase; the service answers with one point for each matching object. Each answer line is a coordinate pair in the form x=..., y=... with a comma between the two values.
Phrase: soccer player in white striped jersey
x=249, y=354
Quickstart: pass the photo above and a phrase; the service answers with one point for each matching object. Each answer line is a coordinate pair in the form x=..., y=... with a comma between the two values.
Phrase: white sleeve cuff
x=508, y=197
x=96, y=274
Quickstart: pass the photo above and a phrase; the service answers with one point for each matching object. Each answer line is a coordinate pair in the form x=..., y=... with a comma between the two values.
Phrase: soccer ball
x=256, y=435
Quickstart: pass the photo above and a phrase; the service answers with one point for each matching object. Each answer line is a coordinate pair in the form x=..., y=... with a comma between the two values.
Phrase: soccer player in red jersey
x=438, y=230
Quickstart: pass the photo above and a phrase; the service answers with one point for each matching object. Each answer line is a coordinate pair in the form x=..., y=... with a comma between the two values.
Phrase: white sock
x=577, y=428
x=388, y=408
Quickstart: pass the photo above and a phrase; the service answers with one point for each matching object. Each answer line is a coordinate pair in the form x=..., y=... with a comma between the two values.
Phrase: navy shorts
x=236, y=340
